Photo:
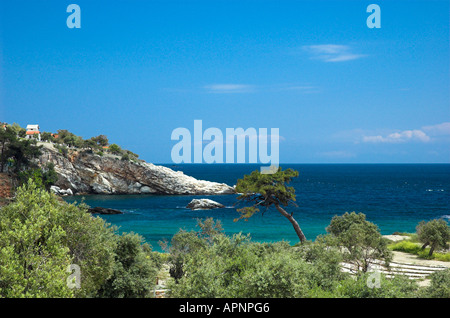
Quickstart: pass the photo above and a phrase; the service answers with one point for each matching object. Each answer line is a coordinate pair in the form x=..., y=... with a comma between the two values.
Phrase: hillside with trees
x=18, y=154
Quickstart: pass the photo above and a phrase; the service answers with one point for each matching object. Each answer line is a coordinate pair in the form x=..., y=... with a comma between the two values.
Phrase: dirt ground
x=400, y=257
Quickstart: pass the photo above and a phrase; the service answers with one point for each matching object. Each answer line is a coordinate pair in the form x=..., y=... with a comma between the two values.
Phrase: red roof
x=32, y=132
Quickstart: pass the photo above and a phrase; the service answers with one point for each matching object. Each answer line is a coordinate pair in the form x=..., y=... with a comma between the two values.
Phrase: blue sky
x=338, y=91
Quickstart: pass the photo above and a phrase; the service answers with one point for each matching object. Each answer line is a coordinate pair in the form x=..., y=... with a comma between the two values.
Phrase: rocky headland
x=84, y=172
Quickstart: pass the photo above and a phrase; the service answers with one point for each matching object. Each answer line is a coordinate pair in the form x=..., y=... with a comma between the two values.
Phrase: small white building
x=33, y=132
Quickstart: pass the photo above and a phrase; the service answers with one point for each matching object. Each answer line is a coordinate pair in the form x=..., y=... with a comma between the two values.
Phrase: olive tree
x=360, y=240
x=435, y=233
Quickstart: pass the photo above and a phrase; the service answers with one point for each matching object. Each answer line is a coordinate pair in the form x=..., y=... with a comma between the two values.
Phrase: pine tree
x=266, y=190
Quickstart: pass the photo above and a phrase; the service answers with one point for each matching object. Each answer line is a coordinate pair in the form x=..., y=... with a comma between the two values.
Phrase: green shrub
x=405, y=246
x=134, y=272
x=326, y=262
x=440, y=285
x=416, y=249
x=37, y=222
x=371, y=285
x=33, y=253
x=442, y=257
x=115, y=149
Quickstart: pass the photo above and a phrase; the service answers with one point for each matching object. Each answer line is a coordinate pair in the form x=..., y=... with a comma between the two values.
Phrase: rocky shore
x=82, y=172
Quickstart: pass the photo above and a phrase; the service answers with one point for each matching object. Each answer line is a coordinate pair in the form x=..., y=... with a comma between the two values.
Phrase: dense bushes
x=440, y=285
x=41, y=236
x=134, y=272
x=236, y=267
x=33, y=250
x=218, y=265
x=366, y=286
x=208, y=263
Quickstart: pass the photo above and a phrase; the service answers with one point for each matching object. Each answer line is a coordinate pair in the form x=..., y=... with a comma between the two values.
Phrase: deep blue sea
x=393, y=196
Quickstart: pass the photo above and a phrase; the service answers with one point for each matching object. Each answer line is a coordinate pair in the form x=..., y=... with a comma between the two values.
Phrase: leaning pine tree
x=266, y=190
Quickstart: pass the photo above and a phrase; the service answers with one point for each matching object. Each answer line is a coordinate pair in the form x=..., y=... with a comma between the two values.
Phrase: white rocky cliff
x=84, y=172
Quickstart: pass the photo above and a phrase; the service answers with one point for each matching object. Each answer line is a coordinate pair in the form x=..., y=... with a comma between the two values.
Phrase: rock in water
x=101, y=210
x=204, y=204
x=84, y=172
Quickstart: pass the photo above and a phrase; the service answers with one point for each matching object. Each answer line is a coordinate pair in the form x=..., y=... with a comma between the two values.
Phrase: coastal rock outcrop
x=82, y=172
x=59, y=191
x=204, y=204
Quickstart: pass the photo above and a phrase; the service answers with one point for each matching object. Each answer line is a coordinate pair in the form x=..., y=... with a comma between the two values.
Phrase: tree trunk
x=431, y=250
x=294, y=223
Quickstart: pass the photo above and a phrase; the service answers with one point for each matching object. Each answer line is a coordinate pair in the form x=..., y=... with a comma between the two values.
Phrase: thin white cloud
x=332, y=52
x=229, y=88
x=246, y=88
x=438, y=130
x=399, y=137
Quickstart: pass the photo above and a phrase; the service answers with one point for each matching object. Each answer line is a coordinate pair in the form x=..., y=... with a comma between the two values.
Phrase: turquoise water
x=395, y=197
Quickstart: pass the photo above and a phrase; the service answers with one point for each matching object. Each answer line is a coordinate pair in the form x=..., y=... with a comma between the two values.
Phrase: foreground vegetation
x=208, y=263
x=40, y=237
